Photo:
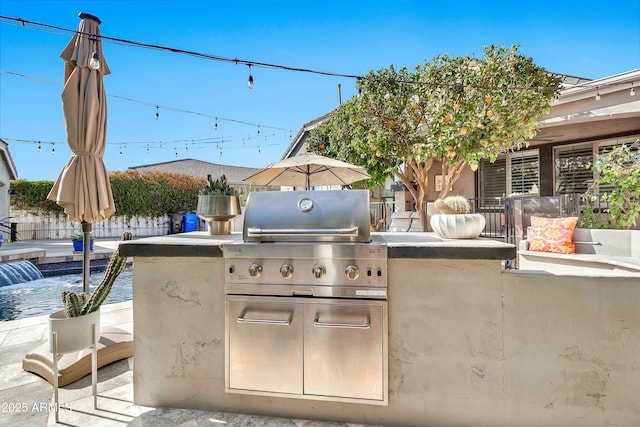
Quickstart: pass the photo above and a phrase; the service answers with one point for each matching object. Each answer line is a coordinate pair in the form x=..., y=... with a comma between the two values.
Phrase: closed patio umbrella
x=83, y=187
x=308, y=170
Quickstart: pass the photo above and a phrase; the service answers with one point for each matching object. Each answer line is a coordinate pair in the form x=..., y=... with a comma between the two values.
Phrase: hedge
x=146, y=194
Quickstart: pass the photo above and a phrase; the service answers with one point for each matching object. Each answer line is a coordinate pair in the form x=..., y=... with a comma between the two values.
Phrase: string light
x=39, y=146
x=53, y=149
x=597, y=94
x=250, y=82
x=632, y=92
x=215, y=127
x=157, y=112
x=46, y=27
x=153, y=104
x=94, y=63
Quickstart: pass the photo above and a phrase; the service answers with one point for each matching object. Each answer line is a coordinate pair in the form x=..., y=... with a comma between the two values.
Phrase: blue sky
x=591, y=39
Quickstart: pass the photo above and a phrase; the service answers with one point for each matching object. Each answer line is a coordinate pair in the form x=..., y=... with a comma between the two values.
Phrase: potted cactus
x=73, y=326
x=456, y=220
x=218, y=203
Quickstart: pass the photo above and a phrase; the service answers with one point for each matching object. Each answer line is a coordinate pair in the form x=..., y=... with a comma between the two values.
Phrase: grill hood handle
x=261, y=232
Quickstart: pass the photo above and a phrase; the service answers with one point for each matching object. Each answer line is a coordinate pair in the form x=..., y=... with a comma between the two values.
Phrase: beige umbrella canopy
x=83, y=187
x=308, y=170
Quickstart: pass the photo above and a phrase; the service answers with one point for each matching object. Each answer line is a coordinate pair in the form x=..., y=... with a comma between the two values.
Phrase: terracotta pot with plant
x=456, y=220
x=218, y=203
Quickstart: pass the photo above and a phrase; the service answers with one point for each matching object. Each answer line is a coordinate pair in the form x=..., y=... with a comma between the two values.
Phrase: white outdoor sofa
x=598, y=252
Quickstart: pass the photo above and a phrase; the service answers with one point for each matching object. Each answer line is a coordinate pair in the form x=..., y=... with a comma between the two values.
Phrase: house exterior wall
x=7, y=173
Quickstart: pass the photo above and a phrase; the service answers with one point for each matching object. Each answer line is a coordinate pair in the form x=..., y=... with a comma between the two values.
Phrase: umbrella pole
x=86, y=246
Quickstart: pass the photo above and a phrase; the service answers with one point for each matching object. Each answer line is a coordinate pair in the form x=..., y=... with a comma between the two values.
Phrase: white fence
x=29, y=226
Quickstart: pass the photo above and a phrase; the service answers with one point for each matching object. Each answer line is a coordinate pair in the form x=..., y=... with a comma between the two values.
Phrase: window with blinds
x=524, y=170
x=493, y=178
x=515, y=173
x=572, y=168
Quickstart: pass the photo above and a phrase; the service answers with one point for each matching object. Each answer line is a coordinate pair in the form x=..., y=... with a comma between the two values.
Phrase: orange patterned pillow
x=552, y=234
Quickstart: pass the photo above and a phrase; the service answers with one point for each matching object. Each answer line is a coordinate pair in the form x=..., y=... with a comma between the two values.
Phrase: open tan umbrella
x=83, y=187
x=308, y=170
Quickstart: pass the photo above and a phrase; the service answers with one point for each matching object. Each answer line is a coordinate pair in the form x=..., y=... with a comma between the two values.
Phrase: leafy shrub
x=135, y=193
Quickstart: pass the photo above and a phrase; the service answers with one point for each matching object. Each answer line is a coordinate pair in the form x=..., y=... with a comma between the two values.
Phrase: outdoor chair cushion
x=552, y=235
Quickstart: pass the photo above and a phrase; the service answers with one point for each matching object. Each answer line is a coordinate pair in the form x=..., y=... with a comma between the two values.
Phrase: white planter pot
x=73, y=333
x=460, y=226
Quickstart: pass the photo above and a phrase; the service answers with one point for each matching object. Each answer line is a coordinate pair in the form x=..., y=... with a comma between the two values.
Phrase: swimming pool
x=42, y=296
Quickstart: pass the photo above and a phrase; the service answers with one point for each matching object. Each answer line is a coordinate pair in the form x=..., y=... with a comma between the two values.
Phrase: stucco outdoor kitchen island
x=468, y=342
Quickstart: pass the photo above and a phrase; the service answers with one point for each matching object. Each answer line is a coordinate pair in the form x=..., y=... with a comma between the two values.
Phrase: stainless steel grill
x=306, y=299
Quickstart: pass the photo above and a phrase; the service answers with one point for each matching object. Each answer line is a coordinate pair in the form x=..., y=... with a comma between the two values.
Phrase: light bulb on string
x=94, y=62
x=215, y=127
x=632, y=92
x=53, y=149
x=157, y=112
x=259, y=152
x=147, y=148
x=250, y=82
x=258, y=130
x=597, y=94
x=39, y=147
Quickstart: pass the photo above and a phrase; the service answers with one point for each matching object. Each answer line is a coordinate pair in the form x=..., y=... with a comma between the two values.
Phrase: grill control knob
x=286, y=270
x=352, y=272
x=255, y=270
x=319, y=271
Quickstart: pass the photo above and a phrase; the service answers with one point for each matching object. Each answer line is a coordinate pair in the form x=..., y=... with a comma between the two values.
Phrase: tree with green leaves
x=448, y=114
x=619, y=170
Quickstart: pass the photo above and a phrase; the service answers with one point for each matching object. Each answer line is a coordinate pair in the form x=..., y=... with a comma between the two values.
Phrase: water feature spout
x=20, y=271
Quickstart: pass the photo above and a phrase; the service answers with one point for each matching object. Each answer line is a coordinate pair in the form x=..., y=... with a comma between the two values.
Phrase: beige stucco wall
x=572, y=350
x=468, y=345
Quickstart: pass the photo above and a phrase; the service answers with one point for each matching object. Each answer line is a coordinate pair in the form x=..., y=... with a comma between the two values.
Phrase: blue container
x=189, y=222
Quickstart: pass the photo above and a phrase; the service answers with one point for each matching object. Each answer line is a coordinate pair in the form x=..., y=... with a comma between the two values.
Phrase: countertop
x=415, y=245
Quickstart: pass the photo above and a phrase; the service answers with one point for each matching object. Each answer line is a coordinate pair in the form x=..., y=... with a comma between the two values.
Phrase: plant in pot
x=78, y=242
x=218, y=203
x=77, y=326
x=456, y=220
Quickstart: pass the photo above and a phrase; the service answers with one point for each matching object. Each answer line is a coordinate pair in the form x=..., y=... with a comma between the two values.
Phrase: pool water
x=42, y=296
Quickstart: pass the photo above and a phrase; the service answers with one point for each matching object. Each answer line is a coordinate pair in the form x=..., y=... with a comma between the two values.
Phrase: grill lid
x=307, y=216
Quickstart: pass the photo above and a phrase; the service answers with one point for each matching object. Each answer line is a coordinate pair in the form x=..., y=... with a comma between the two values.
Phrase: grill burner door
x=343, y=352
x=313, y=348
x=265, y=345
